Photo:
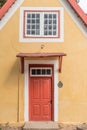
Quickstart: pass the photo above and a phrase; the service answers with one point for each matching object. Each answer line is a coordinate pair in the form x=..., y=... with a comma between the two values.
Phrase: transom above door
x=41, y=93
x=41, y=71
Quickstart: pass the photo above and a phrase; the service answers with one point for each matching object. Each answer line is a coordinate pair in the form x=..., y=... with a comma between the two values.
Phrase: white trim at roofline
x=83, y=5
x=26, y=85
x=10, y=12
x=74, y=16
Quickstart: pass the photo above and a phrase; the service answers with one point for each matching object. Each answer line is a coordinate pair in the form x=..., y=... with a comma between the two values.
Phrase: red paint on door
x=40, y=99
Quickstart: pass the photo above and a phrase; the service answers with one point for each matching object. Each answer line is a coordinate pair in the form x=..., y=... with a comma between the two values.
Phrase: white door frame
x=26, y=85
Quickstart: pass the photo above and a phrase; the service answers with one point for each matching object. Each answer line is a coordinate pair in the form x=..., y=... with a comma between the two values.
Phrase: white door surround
x=26, y=85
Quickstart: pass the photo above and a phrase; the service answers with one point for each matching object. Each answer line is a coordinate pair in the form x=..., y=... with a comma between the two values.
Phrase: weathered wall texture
x=72, y=96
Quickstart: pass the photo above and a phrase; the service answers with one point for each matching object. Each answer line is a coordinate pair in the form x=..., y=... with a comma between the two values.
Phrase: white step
x=48, y=125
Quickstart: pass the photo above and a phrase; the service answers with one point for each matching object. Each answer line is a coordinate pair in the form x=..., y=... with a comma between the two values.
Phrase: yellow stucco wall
x=72, y=96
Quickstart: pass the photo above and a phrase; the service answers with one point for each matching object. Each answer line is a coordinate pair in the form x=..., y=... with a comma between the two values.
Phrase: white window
x=41, y=71
x=41, y=24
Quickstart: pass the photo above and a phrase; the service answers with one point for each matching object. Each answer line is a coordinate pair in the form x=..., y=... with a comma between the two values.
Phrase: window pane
x=43, y=71
x=38, y=71
x=33, y=26
x=28, y=31
x=33, y=71
x=54, y=15
x=50, y=32
x=28, y=15
x=50, y=27
x=50, y=21
x=33, y=21
x=50, y=15
x=45, y=16
x=33, y=32
x=37, y=15
x=45, y=22
x=54, y=32
x=54, y=21
x=45, y=32
x=45, y=27
x=37, y=27
x=28, y=21
x=37, y=21
x=33, y=15
x=48, y=71
x=54, y=26
x=37, y=32
x=28, y=26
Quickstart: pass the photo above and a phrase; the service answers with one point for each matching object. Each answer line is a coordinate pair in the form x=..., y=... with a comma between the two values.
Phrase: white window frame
x=40, y=75
x=83, y=5
x=56, y=38
x=41, y=24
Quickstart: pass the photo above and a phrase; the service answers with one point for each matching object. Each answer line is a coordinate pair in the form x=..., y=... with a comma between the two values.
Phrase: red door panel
x=40, y=98
x=36, y=94
x=46, y=98
x=36, y=109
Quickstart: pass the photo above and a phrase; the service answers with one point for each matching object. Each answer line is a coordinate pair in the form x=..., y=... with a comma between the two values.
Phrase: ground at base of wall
x=73, y=127
x=60, y=127
x=11, y=128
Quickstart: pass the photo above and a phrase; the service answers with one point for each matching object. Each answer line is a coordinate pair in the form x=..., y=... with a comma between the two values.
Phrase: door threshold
x=41, y=125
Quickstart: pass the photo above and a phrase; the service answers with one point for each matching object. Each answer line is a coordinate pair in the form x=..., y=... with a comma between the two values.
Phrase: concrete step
x=41, y=125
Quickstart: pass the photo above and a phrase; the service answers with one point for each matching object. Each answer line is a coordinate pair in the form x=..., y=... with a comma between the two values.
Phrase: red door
x=40, y=99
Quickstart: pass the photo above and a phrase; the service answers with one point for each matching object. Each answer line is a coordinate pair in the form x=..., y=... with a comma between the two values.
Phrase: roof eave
x=78, y=10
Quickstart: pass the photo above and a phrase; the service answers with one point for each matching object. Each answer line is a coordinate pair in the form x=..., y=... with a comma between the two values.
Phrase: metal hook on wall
x=42, y=46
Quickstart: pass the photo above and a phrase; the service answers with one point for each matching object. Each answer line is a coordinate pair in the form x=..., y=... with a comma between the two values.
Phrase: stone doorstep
x=40, y=125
